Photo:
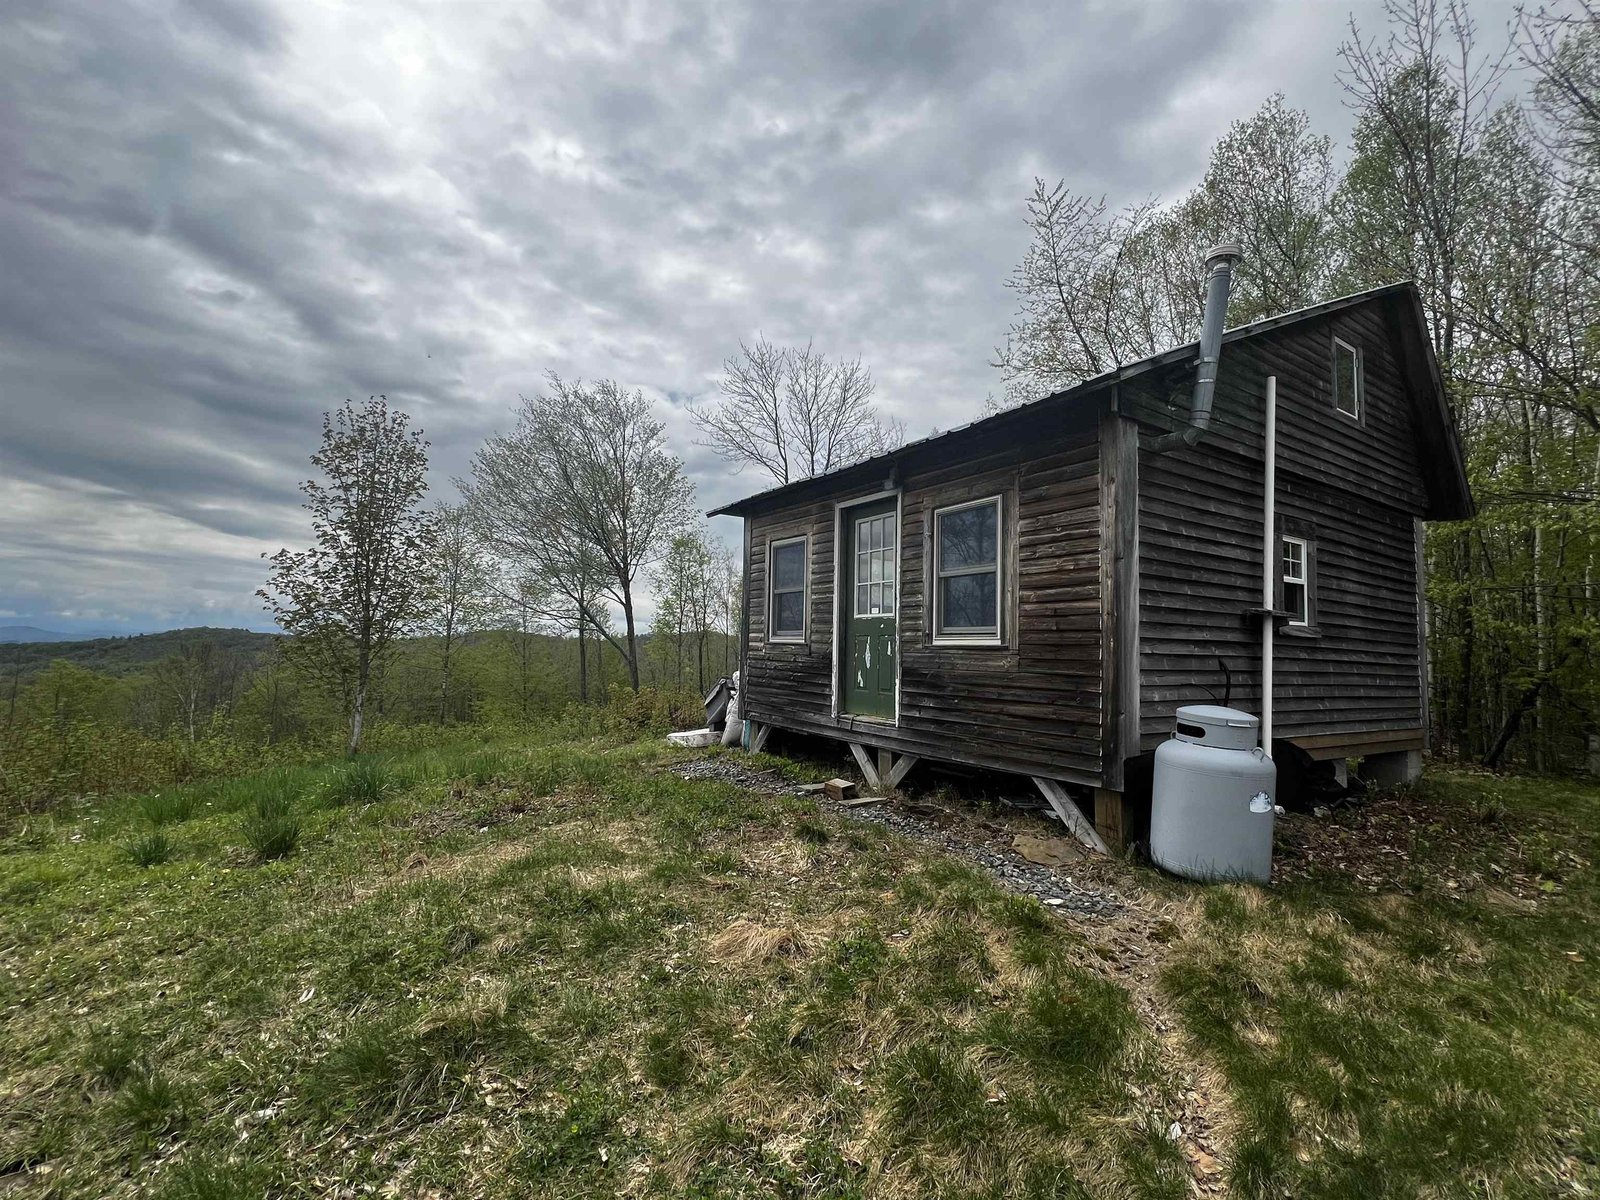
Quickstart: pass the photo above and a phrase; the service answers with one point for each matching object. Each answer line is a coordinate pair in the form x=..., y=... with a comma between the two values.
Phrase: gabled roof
x=1441, y=457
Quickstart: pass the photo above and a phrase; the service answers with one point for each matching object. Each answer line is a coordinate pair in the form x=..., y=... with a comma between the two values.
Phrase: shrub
x=630, y=713
x=151, y=850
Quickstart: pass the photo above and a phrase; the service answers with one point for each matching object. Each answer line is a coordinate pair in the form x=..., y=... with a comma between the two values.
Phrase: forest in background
x=114, y=714
x=1473, y=168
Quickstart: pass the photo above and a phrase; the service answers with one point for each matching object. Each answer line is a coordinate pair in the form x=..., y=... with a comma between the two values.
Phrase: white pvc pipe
x=1269, y=557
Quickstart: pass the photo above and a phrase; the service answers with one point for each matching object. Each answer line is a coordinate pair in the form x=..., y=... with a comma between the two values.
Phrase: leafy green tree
x=364, y=583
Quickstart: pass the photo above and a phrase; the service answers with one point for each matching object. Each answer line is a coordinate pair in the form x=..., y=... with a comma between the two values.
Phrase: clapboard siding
x=1352, y=489
x=1129, y=574
x=1314, y=439
x=1033, y=704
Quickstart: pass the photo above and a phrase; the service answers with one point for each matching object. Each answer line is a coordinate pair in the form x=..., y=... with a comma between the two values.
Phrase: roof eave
x=1462, y=501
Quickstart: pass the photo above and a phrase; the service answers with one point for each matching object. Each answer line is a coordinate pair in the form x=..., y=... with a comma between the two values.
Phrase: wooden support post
x=885, y=765
x=1064, y=807
x=902, y=765
x=758, y=738
x=1111, y=818
x=864, y=761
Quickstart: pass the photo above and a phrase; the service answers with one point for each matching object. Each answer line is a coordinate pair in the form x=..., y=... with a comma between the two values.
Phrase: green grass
x=1441, y=1042
x=365, y=781
x=556, y=970
x=151, y=849
x=169, y=808
x=269, y=827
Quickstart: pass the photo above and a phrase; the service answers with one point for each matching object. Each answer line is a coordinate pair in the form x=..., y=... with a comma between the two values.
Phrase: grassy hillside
x=564, y=970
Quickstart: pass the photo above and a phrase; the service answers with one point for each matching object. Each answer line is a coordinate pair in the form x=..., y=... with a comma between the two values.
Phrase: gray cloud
x=218, y=220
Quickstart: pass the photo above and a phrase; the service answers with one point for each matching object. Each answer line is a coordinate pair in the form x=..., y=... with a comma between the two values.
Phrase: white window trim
x=804, y=636
x=1305, y=577
x=892, y=567
x=1361, y=380
x=981, y=637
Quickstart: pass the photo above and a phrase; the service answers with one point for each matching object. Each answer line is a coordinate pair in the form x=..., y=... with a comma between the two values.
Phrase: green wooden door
x=870, y=600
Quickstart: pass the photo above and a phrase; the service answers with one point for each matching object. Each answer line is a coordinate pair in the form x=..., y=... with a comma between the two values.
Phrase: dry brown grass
x=748, y=942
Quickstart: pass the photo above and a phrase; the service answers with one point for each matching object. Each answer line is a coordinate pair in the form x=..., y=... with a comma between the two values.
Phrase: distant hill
x=127, y=655
x=30, y=633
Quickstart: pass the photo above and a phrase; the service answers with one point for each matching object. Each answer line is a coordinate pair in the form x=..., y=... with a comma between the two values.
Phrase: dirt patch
x=1414, y=840
x=435, y=822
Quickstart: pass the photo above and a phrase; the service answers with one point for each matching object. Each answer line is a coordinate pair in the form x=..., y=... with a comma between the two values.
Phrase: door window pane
x=875, y=566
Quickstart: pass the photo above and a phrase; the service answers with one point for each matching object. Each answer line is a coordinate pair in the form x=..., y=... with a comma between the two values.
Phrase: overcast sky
x=220, y=218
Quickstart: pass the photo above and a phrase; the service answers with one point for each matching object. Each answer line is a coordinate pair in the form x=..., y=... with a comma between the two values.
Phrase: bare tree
x=1561, y=46
x=794, y=413
x=1423, y=97
x=1099, y=288
x=584, y=482
x=459, y=578
x=685, y=597
x=184, y=678
x=1268, y=185
x=346, y=600
x=566, y=594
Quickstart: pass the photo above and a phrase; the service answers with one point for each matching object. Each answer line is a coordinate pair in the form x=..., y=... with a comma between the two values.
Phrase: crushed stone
x=1061, y=892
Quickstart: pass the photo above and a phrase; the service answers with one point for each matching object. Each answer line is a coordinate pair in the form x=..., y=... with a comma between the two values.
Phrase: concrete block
x=1392, y=769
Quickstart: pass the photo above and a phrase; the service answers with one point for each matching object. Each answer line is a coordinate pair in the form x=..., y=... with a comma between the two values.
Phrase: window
x=966, y=565
x=1296, y=580
x=787, y=610
x=1347, y=379
x=874, y=577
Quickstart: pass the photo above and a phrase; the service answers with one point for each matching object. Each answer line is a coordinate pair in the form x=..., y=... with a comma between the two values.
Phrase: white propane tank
x=1211, y=806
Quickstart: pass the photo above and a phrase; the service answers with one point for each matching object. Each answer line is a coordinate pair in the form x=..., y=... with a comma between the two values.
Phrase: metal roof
x=1166, y=358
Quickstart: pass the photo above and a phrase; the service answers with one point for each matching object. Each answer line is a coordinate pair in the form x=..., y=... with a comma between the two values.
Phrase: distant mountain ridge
x=124, y=655
x=32, y=633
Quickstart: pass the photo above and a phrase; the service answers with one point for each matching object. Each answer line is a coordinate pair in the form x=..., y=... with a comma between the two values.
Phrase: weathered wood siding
x=1352, y=683
x=1033, y=704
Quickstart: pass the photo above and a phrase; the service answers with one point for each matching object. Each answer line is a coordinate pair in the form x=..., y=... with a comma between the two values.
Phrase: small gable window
x=966, y=561
x=1347, y=383
x=1297, y=580
x=787, y=584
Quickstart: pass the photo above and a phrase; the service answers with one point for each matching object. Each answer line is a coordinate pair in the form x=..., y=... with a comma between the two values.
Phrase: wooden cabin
x=1039, y=591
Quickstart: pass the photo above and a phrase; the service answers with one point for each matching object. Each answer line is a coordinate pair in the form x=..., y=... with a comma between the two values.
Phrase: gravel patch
x=1057, y=889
